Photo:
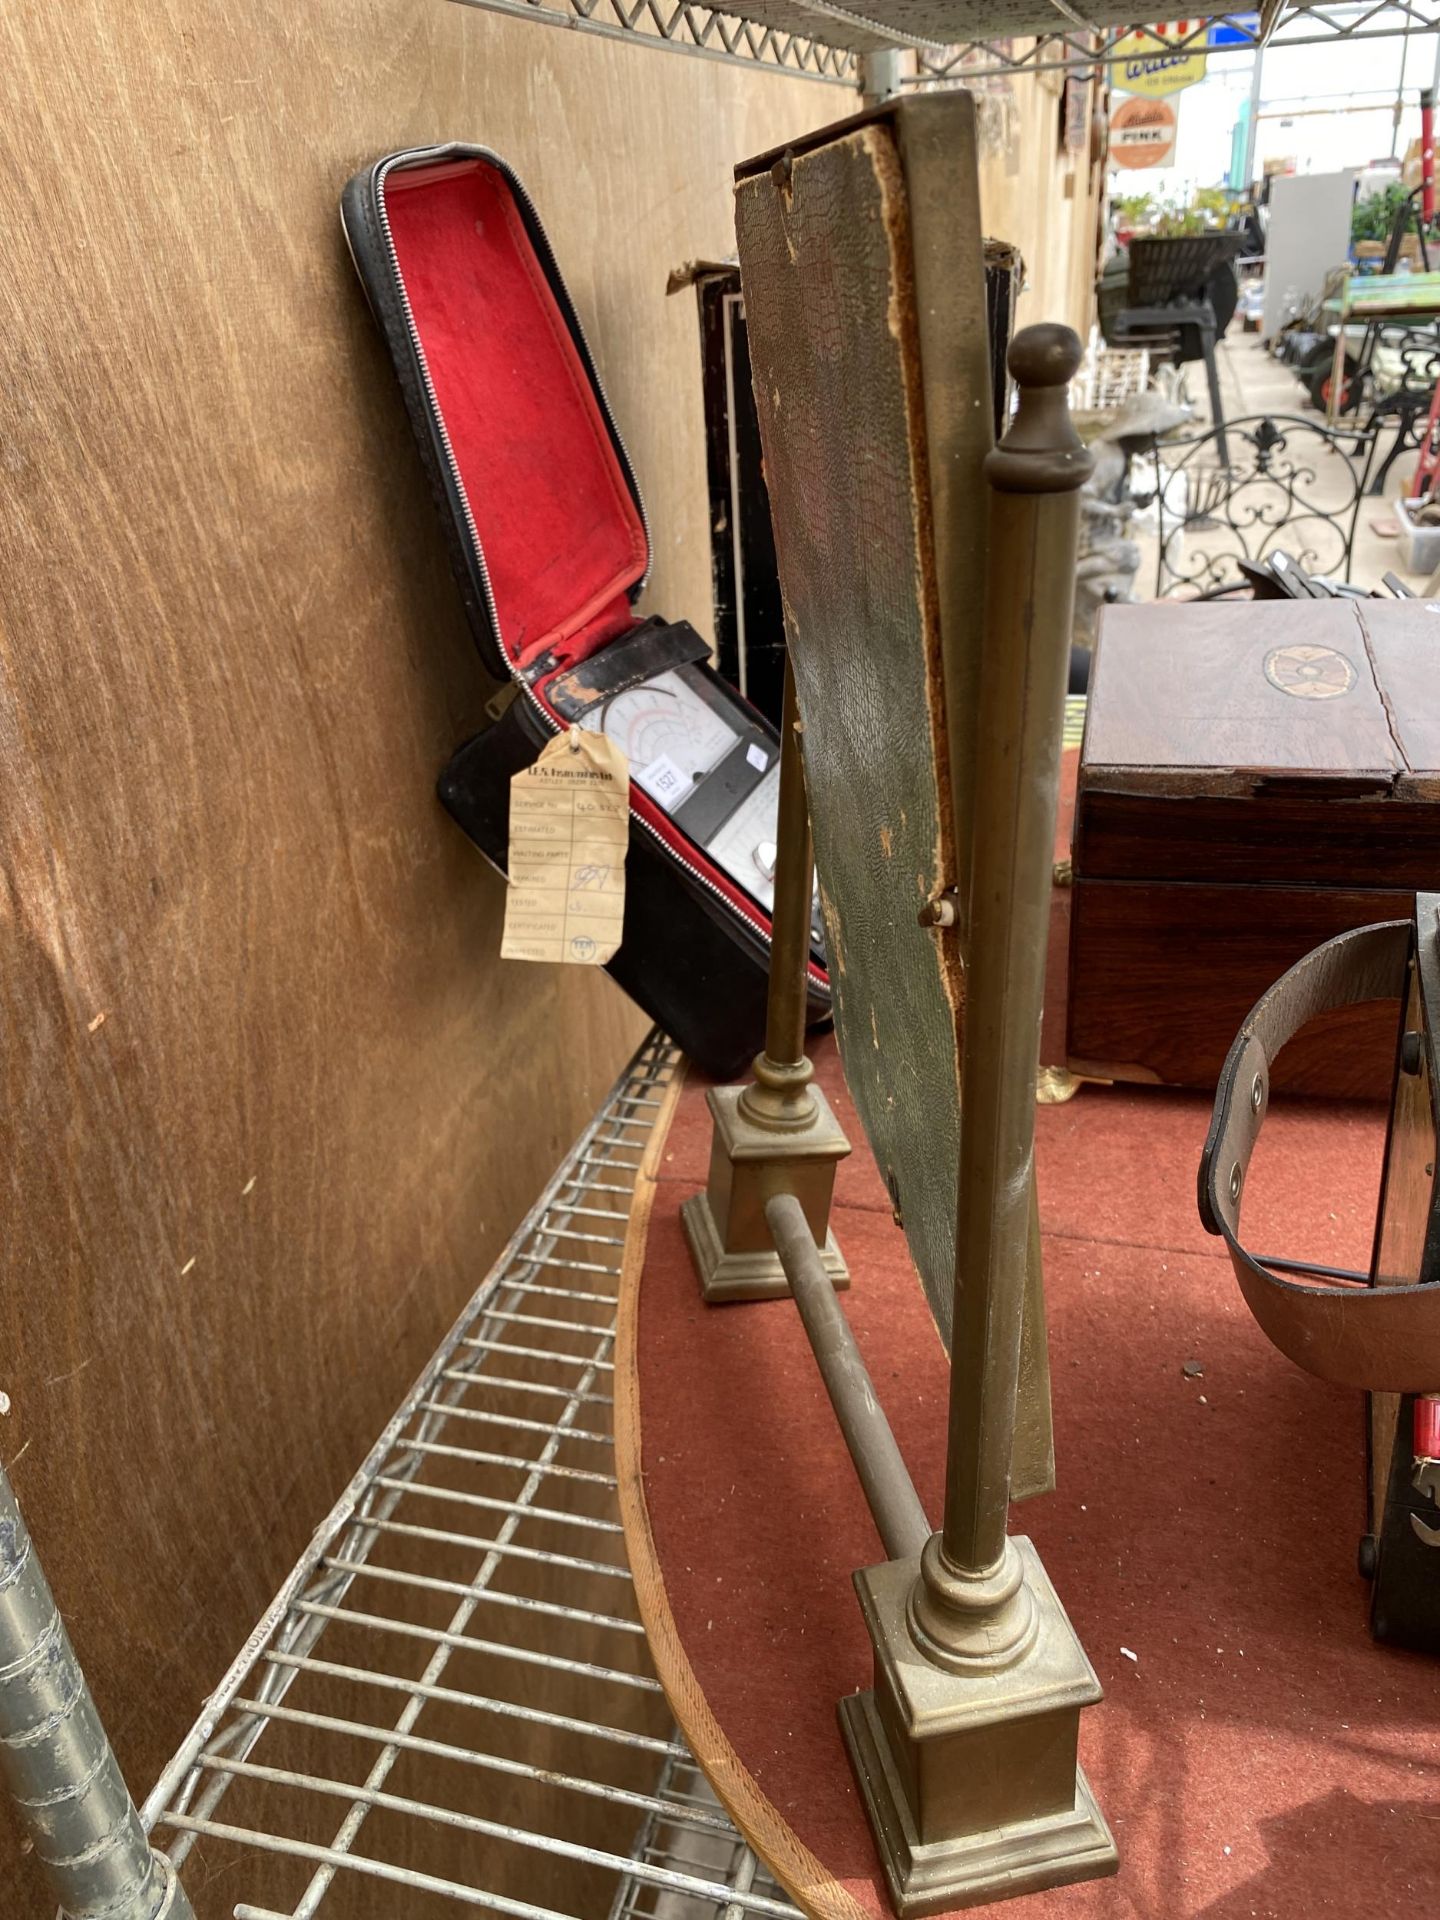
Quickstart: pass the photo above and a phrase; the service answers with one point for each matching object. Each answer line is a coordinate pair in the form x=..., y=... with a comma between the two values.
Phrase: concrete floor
x=1251, y=382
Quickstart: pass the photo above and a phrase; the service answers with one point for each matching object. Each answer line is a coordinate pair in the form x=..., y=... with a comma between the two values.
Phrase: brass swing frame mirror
x=908, y=546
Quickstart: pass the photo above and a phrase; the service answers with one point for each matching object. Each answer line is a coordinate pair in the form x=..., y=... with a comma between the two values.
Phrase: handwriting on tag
x=569, y=828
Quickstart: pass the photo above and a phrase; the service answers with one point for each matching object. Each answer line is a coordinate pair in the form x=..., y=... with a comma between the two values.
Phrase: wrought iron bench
x=1289, y=483
x=1412, y=353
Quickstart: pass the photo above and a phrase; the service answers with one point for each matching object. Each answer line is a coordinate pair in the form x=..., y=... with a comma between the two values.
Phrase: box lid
x=544, y=484
x=1264, y=741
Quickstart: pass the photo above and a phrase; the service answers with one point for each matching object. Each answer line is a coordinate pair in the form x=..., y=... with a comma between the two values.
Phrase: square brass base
x=971, y=1781
x=744, y=1276
x=750, y=1162
x=978, y=1867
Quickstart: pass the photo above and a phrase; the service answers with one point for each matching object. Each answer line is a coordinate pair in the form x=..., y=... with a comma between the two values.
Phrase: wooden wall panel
x=269, y=1102
x=1041, y=197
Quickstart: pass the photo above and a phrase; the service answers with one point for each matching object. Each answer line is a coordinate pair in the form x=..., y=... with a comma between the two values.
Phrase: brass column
x=781, y=1095
x=777, y=1134
x=965, y=1751
x=1034, y=476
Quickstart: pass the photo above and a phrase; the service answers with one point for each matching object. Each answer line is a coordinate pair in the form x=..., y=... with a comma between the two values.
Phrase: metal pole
x=777, y=1133
x=794, y=886
x=781, y=1094
x=880, y=75
x=1034, y=475
x=56, y=1762
x=879, y=1464
x=1252, y=125
x=1399, y=110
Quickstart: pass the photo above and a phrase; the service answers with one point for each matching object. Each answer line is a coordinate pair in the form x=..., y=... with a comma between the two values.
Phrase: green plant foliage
x=1217, y=202
x=1175, y=221
x=1134, y=209
x=1372, y=219
x=1142, y=213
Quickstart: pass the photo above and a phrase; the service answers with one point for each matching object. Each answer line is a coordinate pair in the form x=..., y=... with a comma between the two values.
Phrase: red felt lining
x=562, y=537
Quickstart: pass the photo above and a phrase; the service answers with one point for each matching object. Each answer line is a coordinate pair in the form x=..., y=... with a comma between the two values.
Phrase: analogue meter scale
x=671, y=735
x=715, y=774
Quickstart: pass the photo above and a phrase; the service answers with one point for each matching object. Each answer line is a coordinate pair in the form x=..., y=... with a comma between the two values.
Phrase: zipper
x=553, y=274
x=522, y=685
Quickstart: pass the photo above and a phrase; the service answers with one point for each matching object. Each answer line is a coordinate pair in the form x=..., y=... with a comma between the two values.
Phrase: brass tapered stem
x=780, y=1096
x=1033, y=475
x=777, y=1133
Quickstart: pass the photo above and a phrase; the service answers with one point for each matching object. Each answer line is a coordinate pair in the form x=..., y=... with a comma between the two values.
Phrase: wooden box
x=1254, y=778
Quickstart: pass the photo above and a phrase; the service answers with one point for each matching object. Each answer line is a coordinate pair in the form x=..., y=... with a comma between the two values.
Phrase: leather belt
x=1385, y=1339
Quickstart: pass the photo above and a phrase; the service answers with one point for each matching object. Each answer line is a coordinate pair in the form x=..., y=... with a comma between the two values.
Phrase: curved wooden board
x=804, y=1877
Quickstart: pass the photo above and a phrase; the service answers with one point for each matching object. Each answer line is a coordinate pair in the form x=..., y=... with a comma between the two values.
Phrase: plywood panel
x=269, y=1102
x=1040, y=196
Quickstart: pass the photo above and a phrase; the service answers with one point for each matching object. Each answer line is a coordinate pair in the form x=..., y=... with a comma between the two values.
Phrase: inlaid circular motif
x=1310, y=673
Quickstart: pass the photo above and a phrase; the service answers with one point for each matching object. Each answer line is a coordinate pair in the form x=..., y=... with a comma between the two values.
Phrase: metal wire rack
x=699, y=30
x=817, y=40
x=1080, y=46
x=449, y=1703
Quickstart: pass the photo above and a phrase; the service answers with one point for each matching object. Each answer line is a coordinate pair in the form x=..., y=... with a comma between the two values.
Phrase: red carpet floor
x=1258, y=1756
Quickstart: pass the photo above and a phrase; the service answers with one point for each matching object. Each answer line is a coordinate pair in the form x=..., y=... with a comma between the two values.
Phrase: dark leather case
x=551, y=549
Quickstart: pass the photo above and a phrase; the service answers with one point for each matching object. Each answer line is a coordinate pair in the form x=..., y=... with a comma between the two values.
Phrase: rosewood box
x=1254, y=778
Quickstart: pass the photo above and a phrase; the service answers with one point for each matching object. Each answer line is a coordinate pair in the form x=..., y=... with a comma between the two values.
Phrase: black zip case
x=551, y=548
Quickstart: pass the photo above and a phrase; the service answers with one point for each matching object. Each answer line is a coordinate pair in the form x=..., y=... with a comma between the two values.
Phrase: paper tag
x=569, y=829
x=757, y=757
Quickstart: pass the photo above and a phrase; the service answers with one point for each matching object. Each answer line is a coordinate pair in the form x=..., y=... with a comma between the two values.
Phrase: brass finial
x=1041, y=451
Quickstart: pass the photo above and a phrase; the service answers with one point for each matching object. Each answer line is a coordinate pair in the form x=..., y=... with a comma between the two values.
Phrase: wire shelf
x=1080, y=47
x=699, y=30
x=721, y=1856
x=451, y=1695
x=823, y=40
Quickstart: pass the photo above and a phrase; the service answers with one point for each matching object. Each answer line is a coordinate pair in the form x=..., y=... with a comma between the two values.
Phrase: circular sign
x=1309, y=673
x=1142, y=132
